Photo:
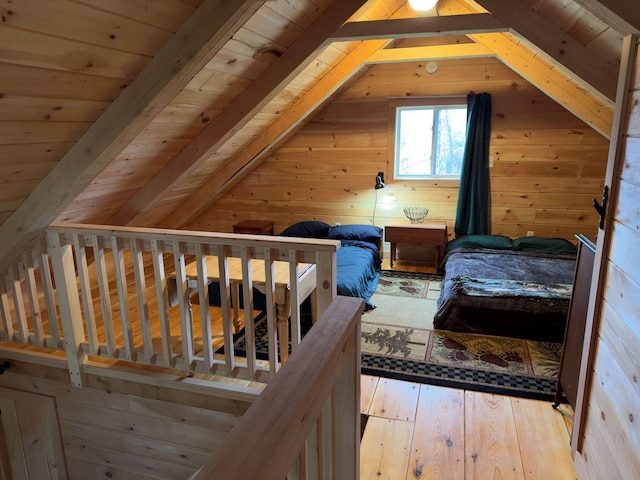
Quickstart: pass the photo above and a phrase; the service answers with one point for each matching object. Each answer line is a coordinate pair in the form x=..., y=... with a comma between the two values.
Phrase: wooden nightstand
x=255, y=227
x=427, y=233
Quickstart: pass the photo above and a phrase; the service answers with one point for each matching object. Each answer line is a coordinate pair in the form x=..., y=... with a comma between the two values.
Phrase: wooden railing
x=126, y=294
x=306, y=423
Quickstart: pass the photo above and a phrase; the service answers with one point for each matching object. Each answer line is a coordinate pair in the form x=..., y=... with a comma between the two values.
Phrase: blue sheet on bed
x=358, y=270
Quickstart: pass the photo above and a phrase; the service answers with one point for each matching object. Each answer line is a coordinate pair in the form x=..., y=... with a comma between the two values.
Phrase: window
x=429, y=141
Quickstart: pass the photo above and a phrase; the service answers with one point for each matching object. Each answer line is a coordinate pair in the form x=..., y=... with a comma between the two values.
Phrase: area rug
x=399, y=341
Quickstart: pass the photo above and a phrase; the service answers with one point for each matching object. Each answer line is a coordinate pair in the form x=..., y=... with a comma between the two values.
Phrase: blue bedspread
x=358, y=270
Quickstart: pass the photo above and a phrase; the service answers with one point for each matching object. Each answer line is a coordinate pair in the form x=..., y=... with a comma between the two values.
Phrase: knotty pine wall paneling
x=118, y=428
x=547, y=164
x=611, y=438
x=62, y=64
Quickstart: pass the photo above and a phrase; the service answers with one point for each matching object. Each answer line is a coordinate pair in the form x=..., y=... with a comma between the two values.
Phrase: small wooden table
x=256, y=227
x=282, y=293
x=426, y=233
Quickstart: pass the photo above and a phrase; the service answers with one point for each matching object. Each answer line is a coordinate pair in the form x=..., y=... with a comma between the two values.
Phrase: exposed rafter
x=550, y=80
x=250, y=102
x=192, y=46
x=544, y=36
x=419, y=27
x=432, y=52
x=256, y=151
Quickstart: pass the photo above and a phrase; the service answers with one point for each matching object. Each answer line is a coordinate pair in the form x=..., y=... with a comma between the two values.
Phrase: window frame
x=394, y=104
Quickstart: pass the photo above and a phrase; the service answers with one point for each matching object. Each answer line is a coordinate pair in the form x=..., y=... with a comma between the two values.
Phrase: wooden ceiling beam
x=254, y=153
x=553, y=82
x=621, y=15
x=192, y=47
x=419, y=27
x=231, y=120
x=544, y=36
x=431, y=52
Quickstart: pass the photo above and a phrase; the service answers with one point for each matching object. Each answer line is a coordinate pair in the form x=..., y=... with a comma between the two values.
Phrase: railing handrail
x=269, y=438
x=306, y=246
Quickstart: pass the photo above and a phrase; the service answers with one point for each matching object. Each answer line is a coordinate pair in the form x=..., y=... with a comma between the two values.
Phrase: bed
x=358, y=260
x=495, y=286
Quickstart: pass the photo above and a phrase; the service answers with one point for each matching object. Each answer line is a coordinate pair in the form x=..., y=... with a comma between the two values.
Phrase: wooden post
x=326, y=283
x=69, y=302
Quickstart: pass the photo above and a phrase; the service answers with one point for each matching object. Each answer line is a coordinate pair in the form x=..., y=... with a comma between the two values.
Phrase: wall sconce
x=379, y=180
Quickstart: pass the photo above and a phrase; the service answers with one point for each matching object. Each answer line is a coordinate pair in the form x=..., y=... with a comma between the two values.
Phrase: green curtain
x=472, y=213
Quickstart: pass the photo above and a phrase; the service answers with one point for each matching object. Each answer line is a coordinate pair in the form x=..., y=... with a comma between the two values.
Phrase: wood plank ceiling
x=132, y=112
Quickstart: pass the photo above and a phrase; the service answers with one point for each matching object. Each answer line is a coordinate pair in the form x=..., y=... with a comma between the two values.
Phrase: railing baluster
x=163, y=303
x=29, y=276
x=205, y=316
x=272, y=316
x=7, y=321
x=123, y=297
x=105, y=295
x=249, y=323
x=184, y=306
x=49, y=299
x=346, y=411
x=87, y=298
x=21, y=315
x=225, y=304
x=143, y=304
x=294, y=270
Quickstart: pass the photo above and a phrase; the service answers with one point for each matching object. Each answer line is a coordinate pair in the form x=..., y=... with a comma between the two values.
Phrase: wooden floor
x=426, y=432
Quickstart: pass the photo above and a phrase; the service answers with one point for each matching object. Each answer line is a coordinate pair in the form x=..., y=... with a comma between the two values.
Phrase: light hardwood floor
x=426, y=432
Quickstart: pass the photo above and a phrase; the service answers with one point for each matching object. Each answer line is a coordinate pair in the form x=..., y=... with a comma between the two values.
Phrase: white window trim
x=459, y=101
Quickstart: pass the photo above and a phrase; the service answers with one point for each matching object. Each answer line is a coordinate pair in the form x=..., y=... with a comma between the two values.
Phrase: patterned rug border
x=523, y=386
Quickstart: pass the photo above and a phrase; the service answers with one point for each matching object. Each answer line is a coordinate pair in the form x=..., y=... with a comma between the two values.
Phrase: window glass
x=429, y=141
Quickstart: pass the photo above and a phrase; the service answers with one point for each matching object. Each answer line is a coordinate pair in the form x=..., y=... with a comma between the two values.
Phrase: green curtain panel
x=472, y=213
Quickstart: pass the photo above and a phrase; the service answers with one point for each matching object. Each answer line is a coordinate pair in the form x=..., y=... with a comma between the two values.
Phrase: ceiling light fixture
x=422, y=5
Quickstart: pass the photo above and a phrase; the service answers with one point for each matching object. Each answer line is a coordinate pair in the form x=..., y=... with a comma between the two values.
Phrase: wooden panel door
x=30, y=443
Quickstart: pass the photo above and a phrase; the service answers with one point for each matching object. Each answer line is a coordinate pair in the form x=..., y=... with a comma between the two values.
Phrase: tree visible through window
x=429, y=141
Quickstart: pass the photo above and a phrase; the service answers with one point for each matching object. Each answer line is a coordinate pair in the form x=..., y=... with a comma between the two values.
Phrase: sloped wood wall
x=122, y=429
x=547, y=164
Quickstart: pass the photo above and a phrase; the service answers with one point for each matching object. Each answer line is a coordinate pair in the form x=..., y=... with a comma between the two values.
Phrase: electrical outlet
x=491, y=161
x=530, y=233
x=337, y=224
